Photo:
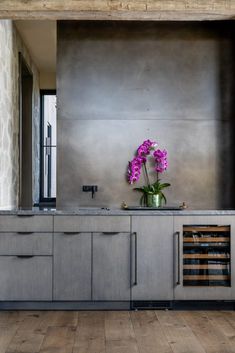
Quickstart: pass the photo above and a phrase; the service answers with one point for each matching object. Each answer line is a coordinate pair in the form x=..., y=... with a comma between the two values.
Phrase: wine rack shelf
x=206, y=255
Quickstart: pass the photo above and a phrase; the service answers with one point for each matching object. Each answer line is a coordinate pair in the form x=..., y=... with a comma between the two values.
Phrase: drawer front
x=25, y=243
x=25, y=278
x=18, y=223
x=92, y=223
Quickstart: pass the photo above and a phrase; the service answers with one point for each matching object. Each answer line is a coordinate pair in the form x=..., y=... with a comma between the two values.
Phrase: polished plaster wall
x=120, y=83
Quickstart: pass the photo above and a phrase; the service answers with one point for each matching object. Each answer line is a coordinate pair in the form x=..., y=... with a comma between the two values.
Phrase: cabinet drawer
x=18, y=223
x=24, y=243
x=92, y=224
x=25, y=278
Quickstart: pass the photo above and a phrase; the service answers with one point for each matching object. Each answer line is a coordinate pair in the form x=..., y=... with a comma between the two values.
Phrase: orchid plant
x=139, y=163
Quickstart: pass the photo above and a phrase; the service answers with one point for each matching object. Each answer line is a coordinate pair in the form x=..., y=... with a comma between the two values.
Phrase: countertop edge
x=115, y=212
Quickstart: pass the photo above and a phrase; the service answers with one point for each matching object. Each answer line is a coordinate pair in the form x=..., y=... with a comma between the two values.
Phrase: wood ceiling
x=118, y=9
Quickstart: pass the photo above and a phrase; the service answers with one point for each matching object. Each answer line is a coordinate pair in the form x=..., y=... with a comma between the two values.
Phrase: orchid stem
x=146, y=173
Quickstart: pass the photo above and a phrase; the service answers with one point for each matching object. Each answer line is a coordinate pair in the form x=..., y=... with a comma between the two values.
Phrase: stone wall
x=10, y=46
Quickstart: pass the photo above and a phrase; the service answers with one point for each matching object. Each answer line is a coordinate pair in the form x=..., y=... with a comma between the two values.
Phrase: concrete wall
x=120, y=83
x=10, y=46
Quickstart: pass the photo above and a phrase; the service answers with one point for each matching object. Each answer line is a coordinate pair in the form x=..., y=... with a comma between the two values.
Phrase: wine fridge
x=206, y=255
x=203, y=255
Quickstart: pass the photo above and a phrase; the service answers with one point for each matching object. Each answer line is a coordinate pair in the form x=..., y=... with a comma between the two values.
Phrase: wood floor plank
x=117, y=315
x=25, y=342
x=90, y=333
x=30, y=320
x=230, y=317
x=120, y=336
x=178, y=334
x=58, y=340
x=219, y=320
x=149, y=334
x=8, y=318
x=6, y=335
x=211, y=337
x=47, y=319
x=65, y=319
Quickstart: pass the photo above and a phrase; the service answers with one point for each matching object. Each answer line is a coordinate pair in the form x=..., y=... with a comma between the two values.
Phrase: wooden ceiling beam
x=118, y=9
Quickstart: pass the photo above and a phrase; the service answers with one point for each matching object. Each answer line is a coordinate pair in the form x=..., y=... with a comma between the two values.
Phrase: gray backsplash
x=120, y=83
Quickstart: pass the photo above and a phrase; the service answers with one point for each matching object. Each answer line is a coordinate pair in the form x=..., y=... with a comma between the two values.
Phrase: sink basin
x=141, y=208
x=90, y=208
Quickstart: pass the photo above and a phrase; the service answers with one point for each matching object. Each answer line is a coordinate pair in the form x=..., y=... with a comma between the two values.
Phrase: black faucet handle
x=90, y=188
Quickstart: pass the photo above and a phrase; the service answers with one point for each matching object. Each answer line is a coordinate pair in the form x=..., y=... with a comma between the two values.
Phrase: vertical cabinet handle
x=177, y=235
x=135, y=282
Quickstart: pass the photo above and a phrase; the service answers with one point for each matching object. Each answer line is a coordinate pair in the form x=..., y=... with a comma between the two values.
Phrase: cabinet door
x=205, y=249
x=111, y=266
x=72, y=266
x=153, y=258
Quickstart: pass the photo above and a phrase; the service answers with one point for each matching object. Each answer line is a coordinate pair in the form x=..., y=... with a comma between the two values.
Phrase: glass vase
x=154, y=200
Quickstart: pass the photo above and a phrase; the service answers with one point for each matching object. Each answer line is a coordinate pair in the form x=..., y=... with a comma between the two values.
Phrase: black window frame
x=44, y=200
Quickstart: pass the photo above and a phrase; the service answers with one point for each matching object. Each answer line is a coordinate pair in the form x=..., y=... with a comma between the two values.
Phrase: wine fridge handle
x=177, y=235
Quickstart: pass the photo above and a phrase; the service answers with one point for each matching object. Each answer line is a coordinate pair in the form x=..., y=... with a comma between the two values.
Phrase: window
x=48, y=147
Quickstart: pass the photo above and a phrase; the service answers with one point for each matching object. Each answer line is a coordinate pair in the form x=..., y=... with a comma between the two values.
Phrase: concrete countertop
x=95, y=211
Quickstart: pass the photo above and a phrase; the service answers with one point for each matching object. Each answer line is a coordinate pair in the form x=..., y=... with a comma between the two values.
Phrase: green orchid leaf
x=139, y=189
x=146, y=189
x=163, y=197
x=142, y=200
x=164, y=185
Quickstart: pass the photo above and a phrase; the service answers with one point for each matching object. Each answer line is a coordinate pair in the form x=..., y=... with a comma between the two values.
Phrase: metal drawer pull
x=110, y=233
x=25, y=256
x=25, y=232
x=25, y=215
x=71, y=233
x=177, y=234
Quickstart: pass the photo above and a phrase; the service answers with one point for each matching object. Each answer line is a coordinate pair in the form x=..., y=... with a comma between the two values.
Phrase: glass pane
x=49, y=172
x=206, y=259
x=49, y=115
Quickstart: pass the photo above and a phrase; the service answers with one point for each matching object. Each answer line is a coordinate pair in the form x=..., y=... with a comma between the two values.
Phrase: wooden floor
x=117, y=332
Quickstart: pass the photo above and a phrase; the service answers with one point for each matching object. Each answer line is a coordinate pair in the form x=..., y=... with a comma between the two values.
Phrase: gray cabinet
x=25, y=278
x=26, y=257
x=72, y=266
x=92, y=258
x=111, y=266
x=152, y=255
x=207, y=264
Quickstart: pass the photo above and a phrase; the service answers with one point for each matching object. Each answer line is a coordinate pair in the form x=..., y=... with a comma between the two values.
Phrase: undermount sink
x=141, y=208
x=93, y=208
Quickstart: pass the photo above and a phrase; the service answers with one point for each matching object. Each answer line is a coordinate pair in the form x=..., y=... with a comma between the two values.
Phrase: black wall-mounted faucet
x=90, y=188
